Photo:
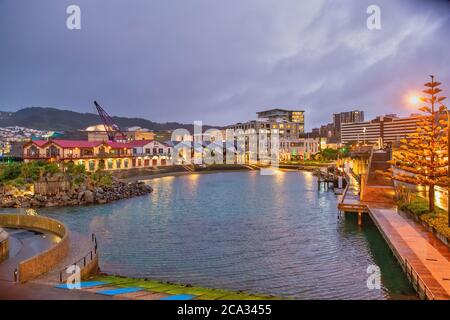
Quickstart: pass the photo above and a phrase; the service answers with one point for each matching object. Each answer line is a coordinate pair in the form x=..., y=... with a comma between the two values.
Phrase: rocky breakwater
x=77, y=196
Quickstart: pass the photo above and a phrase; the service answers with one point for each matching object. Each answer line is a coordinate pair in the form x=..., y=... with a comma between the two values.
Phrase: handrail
x=347, y=180
x=90, y=255
x=418, y=279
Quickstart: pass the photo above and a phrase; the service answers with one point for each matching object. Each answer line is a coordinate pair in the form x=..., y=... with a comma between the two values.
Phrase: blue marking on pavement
x=85, y=284
x=114, y=292
x=179, y=297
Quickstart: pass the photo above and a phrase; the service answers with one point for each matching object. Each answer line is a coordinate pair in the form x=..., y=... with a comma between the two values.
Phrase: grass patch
x=437, y=219
x=202, y=293
x=416, y=206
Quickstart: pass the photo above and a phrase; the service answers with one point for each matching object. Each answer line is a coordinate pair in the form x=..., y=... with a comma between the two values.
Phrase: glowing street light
x=414, y=100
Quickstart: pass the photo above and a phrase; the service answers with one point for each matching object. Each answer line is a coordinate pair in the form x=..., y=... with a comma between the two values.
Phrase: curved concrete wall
x=42, y=263
x=4, y=244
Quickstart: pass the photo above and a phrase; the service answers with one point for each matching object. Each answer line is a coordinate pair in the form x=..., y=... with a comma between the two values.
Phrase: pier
x=423, y=257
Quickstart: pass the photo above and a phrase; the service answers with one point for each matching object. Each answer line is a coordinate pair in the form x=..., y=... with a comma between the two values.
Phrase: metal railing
x=84, y=261
x=347, y=185
x=151, y=154
x=418, y=281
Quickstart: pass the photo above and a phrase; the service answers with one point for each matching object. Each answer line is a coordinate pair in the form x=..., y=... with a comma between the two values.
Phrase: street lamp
x=448, y=163
x=447, y=111
x=364, y=130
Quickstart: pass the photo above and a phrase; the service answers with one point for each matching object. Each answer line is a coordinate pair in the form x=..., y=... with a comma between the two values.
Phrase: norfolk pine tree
x=422, y=157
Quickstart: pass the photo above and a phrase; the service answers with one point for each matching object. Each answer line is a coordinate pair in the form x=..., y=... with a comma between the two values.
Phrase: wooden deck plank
x=413, y=245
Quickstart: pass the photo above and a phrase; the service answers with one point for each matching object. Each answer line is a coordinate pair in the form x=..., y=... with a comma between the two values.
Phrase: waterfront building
x=98, y=133
x=107, y=155
x=381, y=130
x=327, y=130
x=346, y=117
x=288, y=124
x=332, y=131
x=150, y=153
x=282, y=115
x=303, y=149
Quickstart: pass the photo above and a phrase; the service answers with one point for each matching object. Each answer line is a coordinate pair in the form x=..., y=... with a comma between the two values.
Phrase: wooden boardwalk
x=350, y=199
x=423, y=257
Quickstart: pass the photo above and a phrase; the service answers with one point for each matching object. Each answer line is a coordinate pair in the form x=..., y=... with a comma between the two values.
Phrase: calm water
x=243, y=231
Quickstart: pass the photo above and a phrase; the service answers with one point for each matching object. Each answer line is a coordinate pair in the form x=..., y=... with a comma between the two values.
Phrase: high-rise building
x=346, y=117
x=388, y=129
x=289, y=124
x=282, y=115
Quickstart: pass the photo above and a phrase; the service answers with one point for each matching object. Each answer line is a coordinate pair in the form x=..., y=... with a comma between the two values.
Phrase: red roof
x=39, y=143
x=91, y=144
x=76, y=143
x=116, y=145
x=139, y=143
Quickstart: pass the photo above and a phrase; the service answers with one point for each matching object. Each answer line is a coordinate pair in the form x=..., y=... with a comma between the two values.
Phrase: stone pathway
x=426, y=254
x=420, y=252
x=24, y=244
x=79, y=246
x=36, y=291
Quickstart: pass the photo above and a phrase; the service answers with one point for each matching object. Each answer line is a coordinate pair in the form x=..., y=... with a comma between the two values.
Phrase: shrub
x=438, y=221
x=10, y=171
x=30, y=171
x=101, y=179
x=416, y=205
x=76, y=173
x=51, y=169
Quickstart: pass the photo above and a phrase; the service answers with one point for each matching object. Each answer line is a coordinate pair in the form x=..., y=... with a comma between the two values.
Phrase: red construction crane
x=112, y=130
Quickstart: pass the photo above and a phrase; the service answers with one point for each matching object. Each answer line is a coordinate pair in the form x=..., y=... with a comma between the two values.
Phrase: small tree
x=422, y=158
x=329, y=154
x=76, y=173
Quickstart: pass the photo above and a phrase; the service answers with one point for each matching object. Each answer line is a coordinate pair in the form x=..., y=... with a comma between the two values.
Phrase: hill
x=65, y=120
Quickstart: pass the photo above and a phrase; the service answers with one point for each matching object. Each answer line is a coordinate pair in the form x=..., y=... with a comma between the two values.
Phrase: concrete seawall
x=4, y=244
x=45, y=261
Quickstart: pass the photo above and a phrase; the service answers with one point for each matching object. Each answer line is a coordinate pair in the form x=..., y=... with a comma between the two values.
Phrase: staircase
x=189, y=168
x=377, y=187
x=379, y=162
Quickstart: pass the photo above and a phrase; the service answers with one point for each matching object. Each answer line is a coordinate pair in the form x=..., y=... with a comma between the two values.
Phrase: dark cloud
x=220, y=61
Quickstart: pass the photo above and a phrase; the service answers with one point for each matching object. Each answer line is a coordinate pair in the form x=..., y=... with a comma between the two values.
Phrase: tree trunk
x=431, y=198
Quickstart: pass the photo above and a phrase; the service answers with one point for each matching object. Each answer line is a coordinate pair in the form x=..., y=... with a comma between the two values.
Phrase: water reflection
x=241, y=231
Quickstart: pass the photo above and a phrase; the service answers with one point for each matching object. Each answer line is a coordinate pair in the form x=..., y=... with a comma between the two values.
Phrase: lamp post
x=364, y=130
x=448, y=160
x=448, y=164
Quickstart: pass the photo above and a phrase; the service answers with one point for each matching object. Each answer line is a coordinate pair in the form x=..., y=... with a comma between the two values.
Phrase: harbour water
x=241, y=231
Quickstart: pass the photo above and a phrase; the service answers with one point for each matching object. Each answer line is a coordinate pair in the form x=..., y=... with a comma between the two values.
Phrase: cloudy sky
x=221, y=61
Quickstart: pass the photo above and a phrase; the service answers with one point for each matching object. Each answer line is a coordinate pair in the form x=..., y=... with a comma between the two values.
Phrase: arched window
x=33, y=151
x=52, y=151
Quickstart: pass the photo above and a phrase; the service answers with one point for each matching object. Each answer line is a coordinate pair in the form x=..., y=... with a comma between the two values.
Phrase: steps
x=378, y=188
x=379, y=162
x=189, y=168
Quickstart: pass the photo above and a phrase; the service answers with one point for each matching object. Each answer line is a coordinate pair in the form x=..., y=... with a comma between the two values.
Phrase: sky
x=222, y=61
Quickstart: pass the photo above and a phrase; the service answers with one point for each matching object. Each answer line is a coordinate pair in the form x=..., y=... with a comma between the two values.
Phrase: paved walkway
x=79, y=246
x=24, y=244
x=35, y=291
x=426, y=254
x=415, y=247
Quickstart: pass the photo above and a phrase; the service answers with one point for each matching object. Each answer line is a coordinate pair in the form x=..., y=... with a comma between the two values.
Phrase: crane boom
x=112, y=130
